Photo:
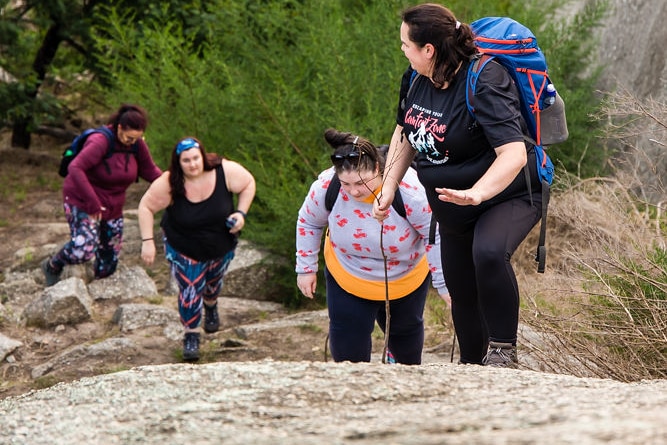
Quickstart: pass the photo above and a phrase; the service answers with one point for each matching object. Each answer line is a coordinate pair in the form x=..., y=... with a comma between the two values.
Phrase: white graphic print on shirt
x=427, y=130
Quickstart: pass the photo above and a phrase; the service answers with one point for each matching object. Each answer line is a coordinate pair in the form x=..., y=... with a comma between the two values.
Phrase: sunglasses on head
x=352, y=158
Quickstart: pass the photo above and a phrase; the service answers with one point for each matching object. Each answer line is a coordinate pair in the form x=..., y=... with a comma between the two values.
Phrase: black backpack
x=334, y=189
x=397, y=204
x=77, y=145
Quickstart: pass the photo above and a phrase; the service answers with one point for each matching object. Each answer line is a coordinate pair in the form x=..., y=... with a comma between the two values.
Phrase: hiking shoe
x=50, y=276
x=191, y=347
x=211, y=318
x=501, y=355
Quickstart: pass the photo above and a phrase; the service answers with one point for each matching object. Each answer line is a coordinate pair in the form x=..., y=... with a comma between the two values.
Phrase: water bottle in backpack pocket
x=553, y=122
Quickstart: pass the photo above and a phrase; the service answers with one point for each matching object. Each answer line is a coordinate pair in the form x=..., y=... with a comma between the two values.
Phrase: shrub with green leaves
x=271, y=76
x=630, y=318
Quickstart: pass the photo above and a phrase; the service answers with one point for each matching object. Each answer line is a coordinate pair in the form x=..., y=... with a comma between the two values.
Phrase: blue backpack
x=515, y=47
x=77, y=145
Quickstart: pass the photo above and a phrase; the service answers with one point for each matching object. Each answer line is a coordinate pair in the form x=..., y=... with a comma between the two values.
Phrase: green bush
x=631, y=317
x=271, y=76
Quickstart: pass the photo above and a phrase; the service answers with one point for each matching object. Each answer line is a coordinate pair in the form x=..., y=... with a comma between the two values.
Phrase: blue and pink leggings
x=199, y=282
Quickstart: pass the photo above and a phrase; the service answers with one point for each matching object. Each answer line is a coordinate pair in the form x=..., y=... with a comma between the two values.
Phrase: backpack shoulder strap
x=476, y=66
x=332, y=193
x=413, y=76
x=111, y=141
x=398, y=204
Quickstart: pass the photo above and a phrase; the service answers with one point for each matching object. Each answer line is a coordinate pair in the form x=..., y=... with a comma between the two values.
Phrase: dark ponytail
x=129, y=116
x=345, y=143
x=430, y=23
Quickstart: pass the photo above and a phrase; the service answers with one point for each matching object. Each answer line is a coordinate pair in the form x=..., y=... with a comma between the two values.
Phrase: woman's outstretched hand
x=460, y=197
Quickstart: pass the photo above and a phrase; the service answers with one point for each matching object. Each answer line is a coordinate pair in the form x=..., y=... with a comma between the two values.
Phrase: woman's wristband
x=242, y=213
x=146, y=239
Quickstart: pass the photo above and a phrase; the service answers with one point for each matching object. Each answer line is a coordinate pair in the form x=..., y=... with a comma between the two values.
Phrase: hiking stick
x=385, y=348
x=326, y=348
x=387, y=322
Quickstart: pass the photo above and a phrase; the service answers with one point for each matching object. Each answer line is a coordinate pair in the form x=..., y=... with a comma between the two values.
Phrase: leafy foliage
x=271, y=76
x=260, y=80
x=42, y=41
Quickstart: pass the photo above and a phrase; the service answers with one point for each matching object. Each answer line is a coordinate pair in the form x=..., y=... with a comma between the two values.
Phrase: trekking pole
x=326, y=348
x=387, y=321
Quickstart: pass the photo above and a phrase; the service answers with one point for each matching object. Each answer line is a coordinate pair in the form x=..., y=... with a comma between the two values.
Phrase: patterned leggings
x=199, y=282
x=102, y=239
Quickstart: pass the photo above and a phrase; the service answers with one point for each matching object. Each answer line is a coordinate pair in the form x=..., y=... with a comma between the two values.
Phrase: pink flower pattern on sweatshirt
x=355, y=234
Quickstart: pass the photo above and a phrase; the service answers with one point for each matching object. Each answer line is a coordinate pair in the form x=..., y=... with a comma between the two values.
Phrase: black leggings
x=480, y=277
x=352, y=320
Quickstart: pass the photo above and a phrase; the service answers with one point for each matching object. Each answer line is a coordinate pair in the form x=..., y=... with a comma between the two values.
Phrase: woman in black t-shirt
x=471, y=169
x=200, y=228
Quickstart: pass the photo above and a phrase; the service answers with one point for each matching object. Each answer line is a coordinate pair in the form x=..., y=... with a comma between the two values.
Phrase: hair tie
x=458, y=24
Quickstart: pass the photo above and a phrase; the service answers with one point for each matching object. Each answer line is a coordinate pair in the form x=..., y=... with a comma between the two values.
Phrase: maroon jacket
x=89, y=186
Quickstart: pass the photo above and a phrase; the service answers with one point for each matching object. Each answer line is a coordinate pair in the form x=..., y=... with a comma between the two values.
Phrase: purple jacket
x=88, y=184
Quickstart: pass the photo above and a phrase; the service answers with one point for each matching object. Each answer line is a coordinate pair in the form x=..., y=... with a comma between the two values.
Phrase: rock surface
x=310, y=402
x=271, y=402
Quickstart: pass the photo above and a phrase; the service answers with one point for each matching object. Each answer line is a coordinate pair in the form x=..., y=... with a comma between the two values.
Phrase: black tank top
x=198, y=230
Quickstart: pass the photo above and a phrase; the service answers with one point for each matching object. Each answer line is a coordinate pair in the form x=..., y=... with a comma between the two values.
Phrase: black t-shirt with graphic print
x=454, y=149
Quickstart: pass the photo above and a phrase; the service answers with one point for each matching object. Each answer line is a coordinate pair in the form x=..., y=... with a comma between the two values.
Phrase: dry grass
x=601, y=308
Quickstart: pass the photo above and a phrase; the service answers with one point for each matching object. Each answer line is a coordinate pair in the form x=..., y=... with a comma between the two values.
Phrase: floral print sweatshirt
x=352, y=245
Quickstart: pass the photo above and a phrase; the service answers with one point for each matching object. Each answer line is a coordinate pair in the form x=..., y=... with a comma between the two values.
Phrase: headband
x=186, y=144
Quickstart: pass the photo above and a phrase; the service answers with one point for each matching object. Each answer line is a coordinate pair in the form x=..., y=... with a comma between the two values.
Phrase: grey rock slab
x=311, y=403
x=125, y=284
x=8, y=346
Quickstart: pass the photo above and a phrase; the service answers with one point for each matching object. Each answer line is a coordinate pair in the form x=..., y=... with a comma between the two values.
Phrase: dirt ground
x=31, y=194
